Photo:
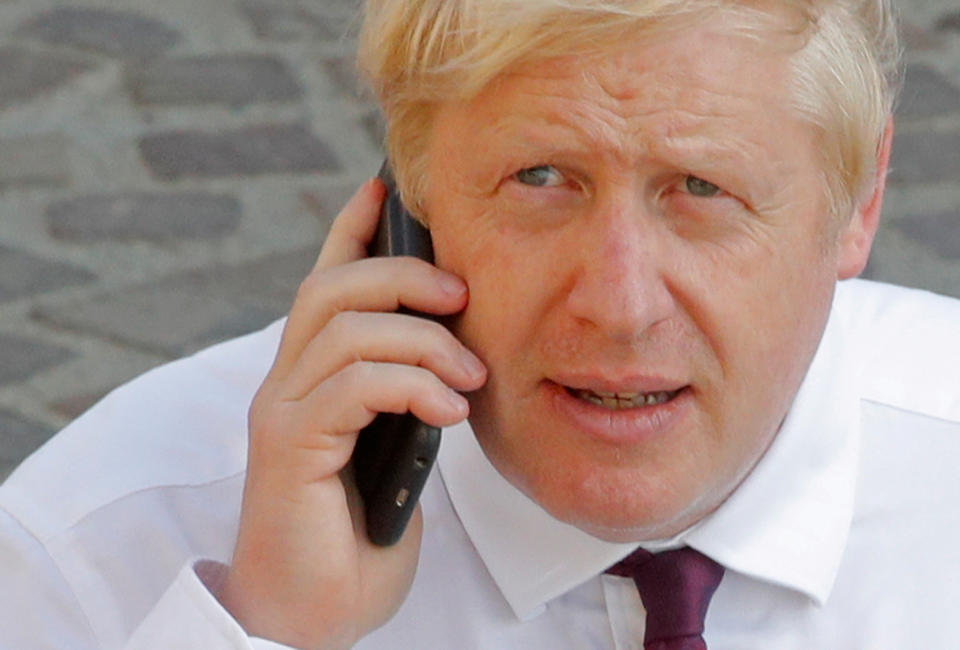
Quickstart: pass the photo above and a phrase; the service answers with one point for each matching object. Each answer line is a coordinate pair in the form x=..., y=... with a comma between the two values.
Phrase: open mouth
x=622, y=417
x=620, y=401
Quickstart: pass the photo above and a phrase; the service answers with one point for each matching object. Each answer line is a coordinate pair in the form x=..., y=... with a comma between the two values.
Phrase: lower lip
x=622, y=426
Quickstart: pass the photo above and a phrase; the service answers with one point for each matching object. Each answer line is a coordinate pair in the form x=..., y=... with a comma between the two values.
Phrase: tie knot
x=675, y=587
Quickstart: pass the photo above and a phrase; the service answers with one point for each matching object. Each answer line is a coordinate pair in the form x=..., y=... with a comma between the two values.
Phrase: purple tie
x=675, y=587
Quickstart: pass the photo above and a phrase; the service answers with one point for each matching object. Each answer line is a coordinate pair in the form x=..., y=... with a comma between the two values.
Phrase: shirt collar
x=531, y=556
x=787, y=523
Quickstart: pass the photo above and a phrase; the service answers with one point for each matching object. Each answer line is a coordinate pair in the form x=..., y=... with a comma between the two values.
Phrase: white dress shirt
x=846, y=534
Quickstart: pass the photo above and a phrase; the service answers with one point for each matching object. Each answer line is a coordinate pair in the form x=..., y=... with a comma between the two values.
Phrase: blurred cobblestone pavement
x=168, y=170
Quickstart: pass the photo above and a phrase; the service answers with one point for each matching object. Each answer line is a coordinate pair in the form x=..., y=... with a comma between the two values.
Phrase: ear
x=856, y=237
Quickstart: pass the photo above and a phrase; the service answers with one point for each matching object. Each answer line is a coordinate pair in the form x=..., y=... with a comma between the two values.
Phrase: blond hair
x=418, y=54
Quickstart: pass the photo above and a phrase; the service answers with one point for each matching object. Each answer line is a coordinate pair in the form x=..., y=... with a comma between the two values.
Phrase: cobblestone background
x=168, y=170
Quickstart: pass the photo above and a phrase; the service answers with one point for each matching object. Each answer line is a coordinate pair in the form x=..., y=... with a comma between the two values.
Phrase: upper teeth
x=624, y=400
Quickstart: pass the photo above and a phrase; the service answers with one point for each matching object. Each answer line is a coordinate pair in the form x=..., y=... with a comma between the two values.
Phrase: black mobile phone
x=394, y=453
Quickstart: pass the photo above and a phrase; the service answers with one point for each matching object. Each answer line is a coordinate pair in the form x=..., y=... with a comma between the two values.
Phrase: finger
x=354, y=227
x=338, y=408
x=377, y=284
x=396, y=338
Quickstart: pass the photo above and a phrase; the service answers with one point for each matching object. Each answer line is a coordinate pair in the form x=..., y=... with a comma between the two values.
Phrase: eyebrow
x=702, y=148
x=560, y=138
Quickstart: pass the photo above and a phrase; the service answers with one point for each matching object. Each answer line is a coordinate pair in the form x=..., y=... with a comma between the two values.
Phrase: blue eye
x=699, y=187
x=540, y=176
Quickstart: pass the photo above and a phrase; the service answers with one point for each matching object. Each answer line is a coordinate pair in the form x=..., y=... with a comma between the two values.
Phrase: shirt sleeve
x=38, y=609
x=188, y=615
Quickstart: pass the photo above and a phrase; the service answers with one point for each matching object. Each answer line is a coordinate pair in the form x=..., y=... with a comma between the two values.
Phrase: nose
x=620, y=283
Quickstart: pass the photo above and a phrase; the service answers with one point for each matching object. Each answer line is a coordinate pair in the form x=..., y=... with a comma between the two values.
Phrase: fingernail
x=458, y=402
x=472, y=364
x=452, y=285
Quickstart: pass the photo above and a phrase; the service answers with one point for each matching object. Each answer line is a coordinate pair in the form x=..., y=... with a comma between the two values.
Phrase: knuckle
x=342, y=325
x=425, y=381
x=445, y=341
x=441, y=348
x=358, y=375
x=311, y=286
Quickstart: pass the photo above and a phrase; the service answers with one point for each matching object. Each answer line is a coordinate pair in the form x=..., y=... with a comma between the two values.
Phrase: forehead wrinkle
x=664, y=116
x=688, y=133
x=577, y=98
x=604, y=130
x=561, y=119
x=738, y=125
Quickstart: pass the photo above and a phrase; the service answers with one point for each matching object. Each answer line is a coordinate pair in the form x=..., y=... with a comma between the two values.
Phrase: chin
x=618, y=493
x=634, y=517
x=620, y=527
x=616, y=505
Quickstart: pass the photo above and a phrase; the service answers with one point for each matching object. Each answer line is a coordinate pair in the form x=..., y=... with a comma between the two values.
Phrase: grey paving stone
x=264, y=149
x=940, y=232
x=23, y=274
x=288, y=20
x=72, y=407
x=374, y=126
x=927, y=93
x=188, y=311
x=326, y=205
x=343, y=71
x=20, y=358
x=144, y=216
x=35, y=160
x=111, y=32
x=925, y=157
x=25, y=74
x=949, y=21
x=918, y=39
x=234, y=80
x=18, y=438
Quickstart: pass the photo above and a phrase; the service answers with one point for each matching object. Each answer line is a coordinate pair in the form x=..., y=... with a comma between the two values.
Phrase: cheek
x=764, y=313
x=767, y=282
x=497, y=270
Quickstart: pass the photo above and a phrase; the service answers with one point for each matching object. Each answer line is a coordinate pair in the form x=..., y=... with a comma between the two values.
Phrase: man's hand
x=303, y=572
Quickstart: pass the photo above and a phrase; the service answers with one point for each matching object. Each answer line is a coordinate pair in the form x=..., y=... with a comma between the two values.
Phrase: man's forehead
x=706, y=57
x=679, y=83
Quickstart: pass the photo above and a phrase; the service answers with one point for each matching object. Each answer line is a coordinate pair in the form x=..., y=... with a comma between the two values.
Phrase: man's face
x=651, y=263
